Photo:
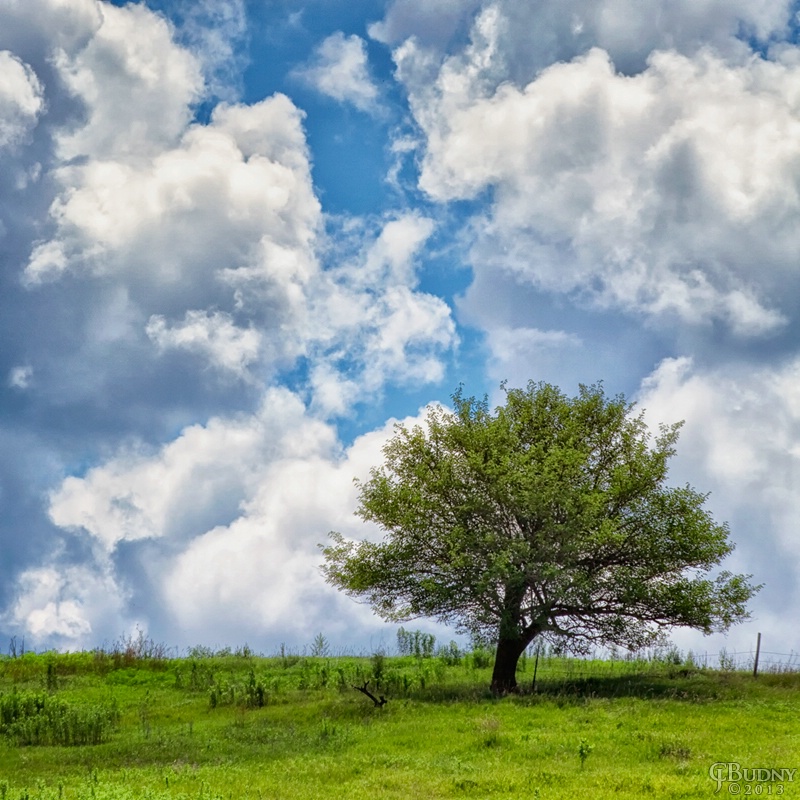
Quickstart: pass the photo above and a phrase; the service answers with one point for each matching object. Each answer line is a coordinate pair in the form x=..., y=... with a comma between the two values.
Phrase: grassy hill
x=137, y=724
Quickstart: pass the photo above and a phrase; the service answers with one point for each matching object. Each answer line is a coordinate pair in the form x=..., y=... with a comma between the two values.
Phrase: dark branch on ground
x=365, y=690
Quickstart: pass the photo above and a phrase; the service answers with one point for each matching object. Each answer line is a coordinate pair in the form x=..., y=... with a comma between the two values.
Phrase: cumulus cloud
x=741, y=442
x=205, y=472
x=210, y=203
x=223, y=218
x=20, y=377
x=65, y=606
x=216, y=33
x=370, y=314
x=234, y=511
x=213, y=335
x=519, y=353
x=670, y=193
x=339, y=69
x=57, y=25
x=137, y=86
x=165, y=251
x=740, y=446
x=532, y=36
x=21, y=99
x=432, y=22
x=260, y=573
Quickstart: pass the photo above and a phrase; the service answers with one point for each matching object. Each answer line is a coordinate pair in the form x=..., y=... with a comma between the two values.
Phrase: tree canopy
x=548, y=517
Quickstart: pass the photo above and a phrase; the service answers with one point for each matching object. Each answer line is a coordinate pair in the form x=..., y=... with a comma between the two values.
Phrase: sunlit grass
x=240, y=726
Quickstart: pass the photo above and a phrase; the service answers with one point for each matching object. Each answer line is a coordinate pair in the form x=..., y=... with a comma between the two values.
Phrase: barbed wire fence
x=547, y=665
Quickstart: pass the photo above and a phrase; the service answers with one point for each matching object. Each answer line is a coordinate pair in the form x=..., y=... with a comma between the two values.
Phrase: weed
x=584, y=748
x=51, y=682
x=320, y=648
x=30, y=718
x=288, y=659
x=378, y=667
x=490, y=731
x=481, y=659
x=727, y=663
x=674, y=749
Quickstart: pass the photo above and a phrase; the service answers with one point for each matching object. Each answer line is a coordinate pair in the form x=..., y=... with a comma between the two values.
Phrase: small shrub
x=490, y=731
x=378, y=666
x=30, y=719
x=320, y=648
x=481, y=659
x=288, y=659
x=584, y=748
x=200, y=651
x=255, y=692
x=673, y=749
x=727, y=663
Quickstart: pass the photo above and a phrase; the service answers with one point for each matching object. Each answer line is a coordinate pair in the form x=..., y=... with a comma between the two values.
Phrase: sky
x=241, y=239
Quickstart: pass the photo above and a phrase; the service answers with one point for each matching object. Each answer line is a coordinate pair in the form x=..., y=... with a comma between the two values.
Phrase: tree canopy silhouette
x=549, y=516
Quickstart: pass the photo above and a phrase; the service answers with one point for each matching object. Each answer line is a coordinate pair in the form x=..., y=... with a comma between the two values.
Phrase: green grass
x=240, y=726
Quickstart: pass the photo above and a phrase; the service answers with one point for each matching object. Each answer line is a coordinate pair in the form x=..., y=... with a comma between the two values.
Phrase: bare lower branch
x=379, y=703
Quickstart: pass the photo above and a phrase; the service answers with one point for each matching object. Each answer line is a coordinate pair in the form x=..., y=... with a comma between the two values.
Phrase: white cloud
x=535, y=35
x=518, y=353
x=333, y=395
x=215, y=31
x=227, y=218
x=368, y=312
x=212, y=231
x=740, y=445
x=137, y=85
x=21, y=100
x=506, y=343
x=741, y=442
x=208, y=204
x=65, y=606
x=213, y=335
x=63, y=25
x=20, y=377
x=280, y=480
x=391, y=256
x=670, y=193
x=206, y=472
x=433, y=22
x=340, y=70
x=260, y=574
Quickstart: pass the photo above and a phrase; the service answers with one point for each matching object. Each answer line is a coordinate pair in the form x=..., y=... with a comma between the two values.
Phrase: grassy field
x=126, y=724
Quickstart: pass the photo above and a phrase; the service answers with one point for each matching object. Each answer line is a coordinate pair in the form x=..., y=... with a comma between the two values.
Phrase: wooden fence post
x=758, y=650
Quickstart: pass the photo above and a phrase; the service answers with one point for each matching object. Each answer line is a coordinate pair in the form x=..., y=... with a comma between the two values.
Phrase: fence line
x=550, y=664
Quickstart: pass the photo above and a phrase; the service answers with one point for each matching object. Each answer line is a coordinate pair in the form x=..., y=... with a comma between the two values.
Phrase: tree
x=549, y=517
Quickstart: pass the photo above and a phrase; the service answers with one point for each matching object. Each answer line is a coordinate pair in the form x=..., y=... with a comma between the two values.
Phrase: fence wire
x=549, y=666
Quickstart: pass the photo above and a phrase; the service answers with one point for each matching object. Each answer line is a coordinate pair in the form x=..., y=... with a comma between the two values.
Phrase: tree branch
x=379, y=703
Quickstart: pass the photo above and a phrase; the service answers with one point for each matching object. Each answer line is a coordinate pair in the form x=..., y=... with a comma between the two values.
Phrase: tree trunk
x=504, y=676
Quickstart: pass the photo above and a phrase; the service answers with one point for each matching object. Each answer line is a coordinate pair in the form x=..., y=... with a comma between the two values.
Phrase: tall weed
x=38, y=718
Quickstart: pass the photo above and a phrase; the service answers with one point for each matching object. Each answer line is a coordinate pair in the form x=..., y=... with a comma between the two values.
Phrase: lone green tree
x=548, y=517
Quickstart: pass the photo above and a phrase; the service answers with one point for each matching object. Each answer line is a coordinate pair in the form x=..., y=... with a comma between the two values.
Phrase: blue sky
x=239, y=239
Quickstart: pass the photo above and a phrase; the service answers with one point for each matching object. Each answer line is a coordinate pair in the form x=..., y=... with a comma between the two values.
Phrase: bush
x=481, y=658
x=31, y=718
